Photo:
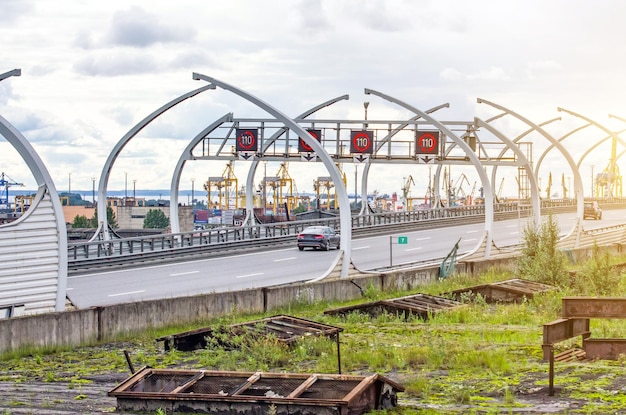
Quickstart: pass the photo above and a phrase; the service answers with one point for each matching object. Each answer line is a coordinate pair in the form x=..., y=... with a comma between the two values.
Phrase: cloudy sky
x=91, y=70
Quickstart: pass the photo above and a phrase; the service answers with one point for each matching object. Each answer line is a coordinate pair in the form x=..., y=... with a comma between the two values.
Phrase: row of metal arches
x=48, y=195
x=487, y=183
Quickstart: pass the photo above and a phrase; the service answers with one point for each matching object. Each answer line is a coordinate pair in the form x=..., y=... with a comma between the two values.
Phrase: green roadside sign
x=403, y=240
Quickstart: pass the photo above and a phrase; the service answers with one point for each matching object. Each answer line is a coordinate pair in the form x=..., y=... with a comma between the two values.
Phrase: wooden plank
x=592, y=307
x=562, y=329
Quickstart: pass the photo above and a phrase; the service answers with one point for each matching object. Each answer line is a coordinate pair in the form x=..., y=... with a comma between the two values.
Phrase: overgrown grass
x=477, y=358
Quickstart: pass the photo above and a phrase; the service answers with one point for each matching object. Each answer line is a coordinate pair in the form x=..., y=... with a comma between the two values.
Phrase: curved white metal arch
x=551, y=146
x=520, y=154
x=386, y=139
x=578, y=185
x=187, y=155
x=103, y=227
x=469, y=153
x=272, y=139
x=43, y=179
x=568, y=157
x=342, y=194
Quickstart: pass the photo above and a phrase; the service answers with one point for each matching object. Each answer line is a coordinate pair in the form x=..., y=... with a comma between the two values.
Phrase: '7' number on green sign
x=403, y=240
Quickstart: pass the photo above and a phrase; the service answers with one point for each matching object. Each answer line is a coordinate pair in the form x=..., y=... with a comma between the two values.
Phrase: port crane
x=406, y=193
x=281, y=181
x=226, y=187
x=5, y=183
x=327, y=183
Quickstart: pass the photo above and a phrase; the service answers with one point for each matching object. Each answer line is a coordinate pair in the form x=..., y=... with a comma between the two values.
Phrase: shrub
x=541, y=260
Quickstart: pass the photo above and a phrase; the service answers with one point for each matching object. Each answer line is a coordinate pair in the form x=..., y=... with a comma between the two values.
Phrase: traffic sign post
x=402, y=240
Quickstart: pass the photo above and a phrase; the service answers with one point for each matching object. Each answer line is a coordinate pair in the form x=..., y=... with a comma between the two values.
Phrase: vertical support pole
x=551, y=375
x=338, y=353
x=390, y=251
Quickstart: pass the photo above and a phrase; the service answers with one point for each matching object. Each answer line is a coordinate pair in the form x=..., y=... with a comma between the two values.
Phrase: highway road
x=285, y=265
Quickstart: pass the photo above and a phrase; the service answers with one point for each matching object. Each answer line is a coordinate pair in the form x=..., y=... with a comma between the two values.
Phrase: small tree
x=111, y=218
x=156, y=219
x=81, y=221
x=541, y=260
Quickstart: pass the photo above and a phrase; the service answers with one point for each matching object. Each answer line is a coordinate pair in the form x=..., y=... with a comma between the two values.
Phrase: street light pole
x=593, y=193
x=193, y=203
x=134, y=181
x=93, y=190
x=69, y=188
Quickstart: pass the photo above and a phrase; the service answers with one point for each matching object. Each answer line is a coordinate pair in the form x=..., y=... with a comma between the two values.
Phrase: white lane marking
x=249, y=275
x=176, y=264
x=412, y=249
x=422, y=239
x=127, y=293
x=470, y=240
x=68, y=289
x=184, y=273
x=471, y=231
x=360, y=247
x=513, y=233
x=285, y=259
x=512, y=226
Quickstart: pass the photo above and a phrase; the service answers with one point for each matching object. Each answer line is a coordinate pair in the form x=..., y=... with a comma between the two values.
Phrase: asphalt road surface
x=280, y=266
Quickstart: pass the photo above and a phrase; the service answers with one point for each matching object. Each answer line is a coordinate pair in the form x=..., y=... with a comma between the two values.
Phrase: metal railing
x=128, y=251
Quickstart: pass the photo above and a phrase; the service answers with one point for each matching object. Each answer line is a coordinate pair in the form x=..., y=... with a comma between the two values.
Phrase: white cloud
x=91, y=70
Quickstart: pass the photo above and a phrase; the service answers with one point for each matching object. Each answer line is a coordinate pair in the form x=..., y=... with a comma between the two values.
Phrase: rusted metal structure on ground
x=421, y=305
x=286, y=329
x=509, y=291
x=247, y=393
x=576, y=313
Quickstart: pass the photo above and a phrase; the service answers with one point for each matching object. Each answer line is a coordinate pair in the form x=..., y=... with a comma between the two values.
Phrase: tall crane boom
x=5, y=183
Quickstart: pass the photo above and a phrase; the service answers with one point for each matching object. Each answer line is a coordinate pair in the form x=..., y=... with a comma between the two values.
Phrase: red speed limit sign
x=303, y=147
x=247, y=139
x=427, y=142
x=361, y=141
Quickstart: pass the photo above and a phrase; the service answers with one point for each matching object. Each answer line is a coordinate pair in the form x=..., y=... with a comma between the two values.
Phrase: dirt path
x=58, y=398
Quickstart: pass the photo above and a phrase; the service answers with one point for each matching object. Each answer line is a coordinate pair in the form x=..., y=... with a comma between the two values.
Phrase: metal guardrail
x=129, y=252
x=84, y=255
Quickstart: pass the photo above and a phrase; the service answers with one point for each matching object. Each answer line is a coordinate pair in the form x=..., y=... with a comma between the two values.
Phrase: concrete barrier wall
x=124, y=318
x=80, y=327
x=68, y=328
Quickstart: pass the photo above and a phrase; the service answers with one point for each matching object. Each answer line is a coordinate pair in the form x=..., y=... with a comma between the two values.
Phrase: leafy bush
x=597, y=277
x=541, y=260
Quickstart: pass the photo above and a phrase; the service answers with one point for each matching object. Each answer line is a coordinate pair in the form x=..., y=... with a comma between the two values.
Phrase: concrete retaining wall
x=79, y=327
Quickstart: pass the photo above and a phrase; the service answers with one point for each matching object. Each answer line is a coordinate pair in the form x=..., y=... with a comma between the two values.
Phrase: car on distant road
x=592, y=210
x=318, y=237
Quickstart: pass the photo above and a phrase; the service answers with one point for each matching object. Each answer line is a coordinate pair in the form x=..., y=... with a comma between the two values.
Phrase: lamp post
x=69, y=188
x=193, y=203
x=569, y=184
x=593, y=193
x=134, y=182
x=93, y=190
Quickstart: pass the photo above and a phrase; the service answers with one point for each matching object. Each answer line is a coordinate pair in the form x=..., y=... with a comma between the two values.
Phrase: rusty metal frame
x=513, y=290
x=422, y=305
x=233, y=392
x=576, y=312
x=285, y=329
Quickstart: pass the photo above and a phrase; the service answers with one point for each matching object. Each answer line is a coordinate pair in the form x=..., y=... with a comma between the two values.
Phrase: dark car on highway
x=592, y=210
x=318, y=237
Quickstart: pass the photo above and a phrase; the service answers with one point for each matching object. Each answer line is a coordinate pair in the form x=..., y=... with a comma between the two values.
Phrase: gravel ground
x=62, y=398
